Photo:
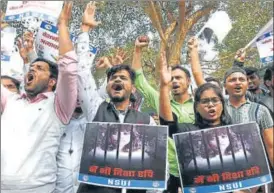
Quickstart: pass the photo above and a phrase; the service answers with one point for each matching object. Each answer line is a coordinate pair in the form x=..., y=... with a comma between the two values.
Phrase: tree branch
x=170, y=17
x=198, y=15
x=182, y=10
x=155, y=17
x=189, y=8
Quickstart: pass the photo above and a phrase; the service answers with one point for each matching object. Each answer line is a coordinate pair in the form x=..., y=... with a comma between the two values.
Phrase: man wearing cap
x=242, y=110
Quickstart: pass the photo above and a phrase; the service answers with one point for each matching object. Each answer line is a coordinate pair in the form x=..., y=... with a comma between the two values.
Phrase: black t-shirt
x=175, y=127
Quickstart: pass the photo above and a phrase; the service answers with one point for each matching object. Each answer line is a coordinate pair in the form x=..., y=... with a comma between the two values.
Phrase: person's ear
x=268, y=83
x=52, y=82
x=189, y=81
x=133, y=90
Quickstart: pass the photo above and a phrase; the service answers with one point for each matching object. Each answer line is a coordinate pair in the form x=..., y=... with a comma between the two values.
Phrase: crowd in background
x=43, y=124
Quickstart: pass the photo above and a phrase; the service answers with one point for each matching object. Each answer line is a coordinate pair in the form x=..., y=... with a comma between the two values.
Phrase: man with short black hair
x=268, y=81
x=181, y=102
x=120, y=88
x=29, y=145
x=242, y=110
x=254, y=82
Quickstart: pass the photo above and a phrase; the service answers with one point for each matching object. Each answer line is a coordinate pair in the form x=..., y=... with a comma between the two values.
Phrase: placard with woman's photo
x=222, y=159
x=124, y=155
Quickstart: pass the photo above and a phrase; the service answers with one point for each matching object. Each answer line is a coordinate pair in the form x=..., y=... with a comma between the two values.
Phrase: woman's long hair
x=112, y=143
x=199, y=120
x=212, y=150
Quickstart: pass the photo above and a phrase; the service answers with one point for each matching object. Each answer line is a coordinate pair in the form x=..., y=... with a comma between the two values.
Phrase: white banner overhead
x=219, y=24
x=267, y=28
x=17, y=10
x=265, y=47
x=212, y=33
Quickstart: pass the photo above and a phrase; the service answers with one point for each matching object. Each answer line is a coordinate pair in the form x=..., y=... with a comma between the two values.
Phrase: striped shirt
x=248, y=112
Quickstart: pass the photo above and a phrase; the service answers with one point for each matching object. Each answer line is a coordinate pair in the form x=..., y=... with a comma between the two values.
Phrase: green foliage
x=248, y=18
x=124, y=21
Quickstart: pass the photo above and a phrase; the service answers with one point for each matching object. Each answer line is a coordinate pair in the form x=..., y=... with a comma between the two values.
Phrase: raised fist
x=142, y=41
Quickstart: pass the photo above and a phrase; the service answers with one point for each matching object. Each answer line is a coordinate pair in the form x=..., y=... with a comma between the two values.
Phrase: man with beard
x=70, y=149
x=31, y=123
x=120, y=87
x=181, y=103
x=242, y=110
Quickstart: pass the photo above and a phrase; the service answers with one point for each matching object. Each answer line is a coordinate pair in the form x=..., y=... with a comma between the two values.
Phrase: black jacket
x=107, y=113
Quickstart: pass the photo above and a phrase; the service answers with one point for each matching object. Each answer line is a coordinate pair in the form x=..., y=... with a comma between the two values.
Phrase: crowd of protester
x=43, y=124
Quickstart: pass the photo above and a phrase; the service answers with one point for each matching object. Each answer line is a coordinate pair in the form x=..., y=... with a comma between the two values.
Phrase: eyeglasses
x=206, y=101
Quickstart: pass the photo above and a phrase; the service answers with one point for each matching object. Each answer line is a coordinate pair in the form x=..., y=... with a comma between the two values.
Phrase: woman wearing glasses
x=209, y=109
x=209, y=105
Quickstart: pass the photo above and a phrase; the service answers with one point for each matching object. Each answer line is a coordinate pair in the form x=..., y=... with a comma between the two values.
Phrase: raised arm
x=87, y=91
x=140, y=43
x=195, y=62
x=165, y=80
x=149, y=93
x=26, y=50
x=239, y=58
x=66, y=89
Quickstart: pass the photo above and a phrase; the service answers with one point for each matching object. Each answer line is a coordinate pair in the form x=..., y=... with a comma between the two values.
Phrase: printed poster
x=47, y=43
x=265, y=47
x=124, y=156
x=12, y=65
x=8, y=35
x=213, y=33
x=222, y=159
x=17, y=10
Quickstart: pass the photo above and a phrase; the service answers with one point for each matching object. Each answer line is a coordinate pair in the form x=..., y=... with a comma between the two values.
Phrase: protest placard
x=222, y=159
x=47, y=43
x=17, y=10
x=8, y=35
x=12, y=65
x=124, y=156
x=212, y=33
x=265, y=47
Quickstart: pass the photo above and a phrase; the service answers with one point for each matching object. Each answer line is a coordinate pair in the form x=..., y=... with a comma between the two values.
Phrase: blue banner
x=117, y=182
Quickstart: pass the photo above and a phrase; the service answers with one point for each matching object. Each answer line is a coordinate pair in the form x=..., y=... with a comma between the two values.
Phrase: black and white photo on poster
x=222, y=159
x=124, y=155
